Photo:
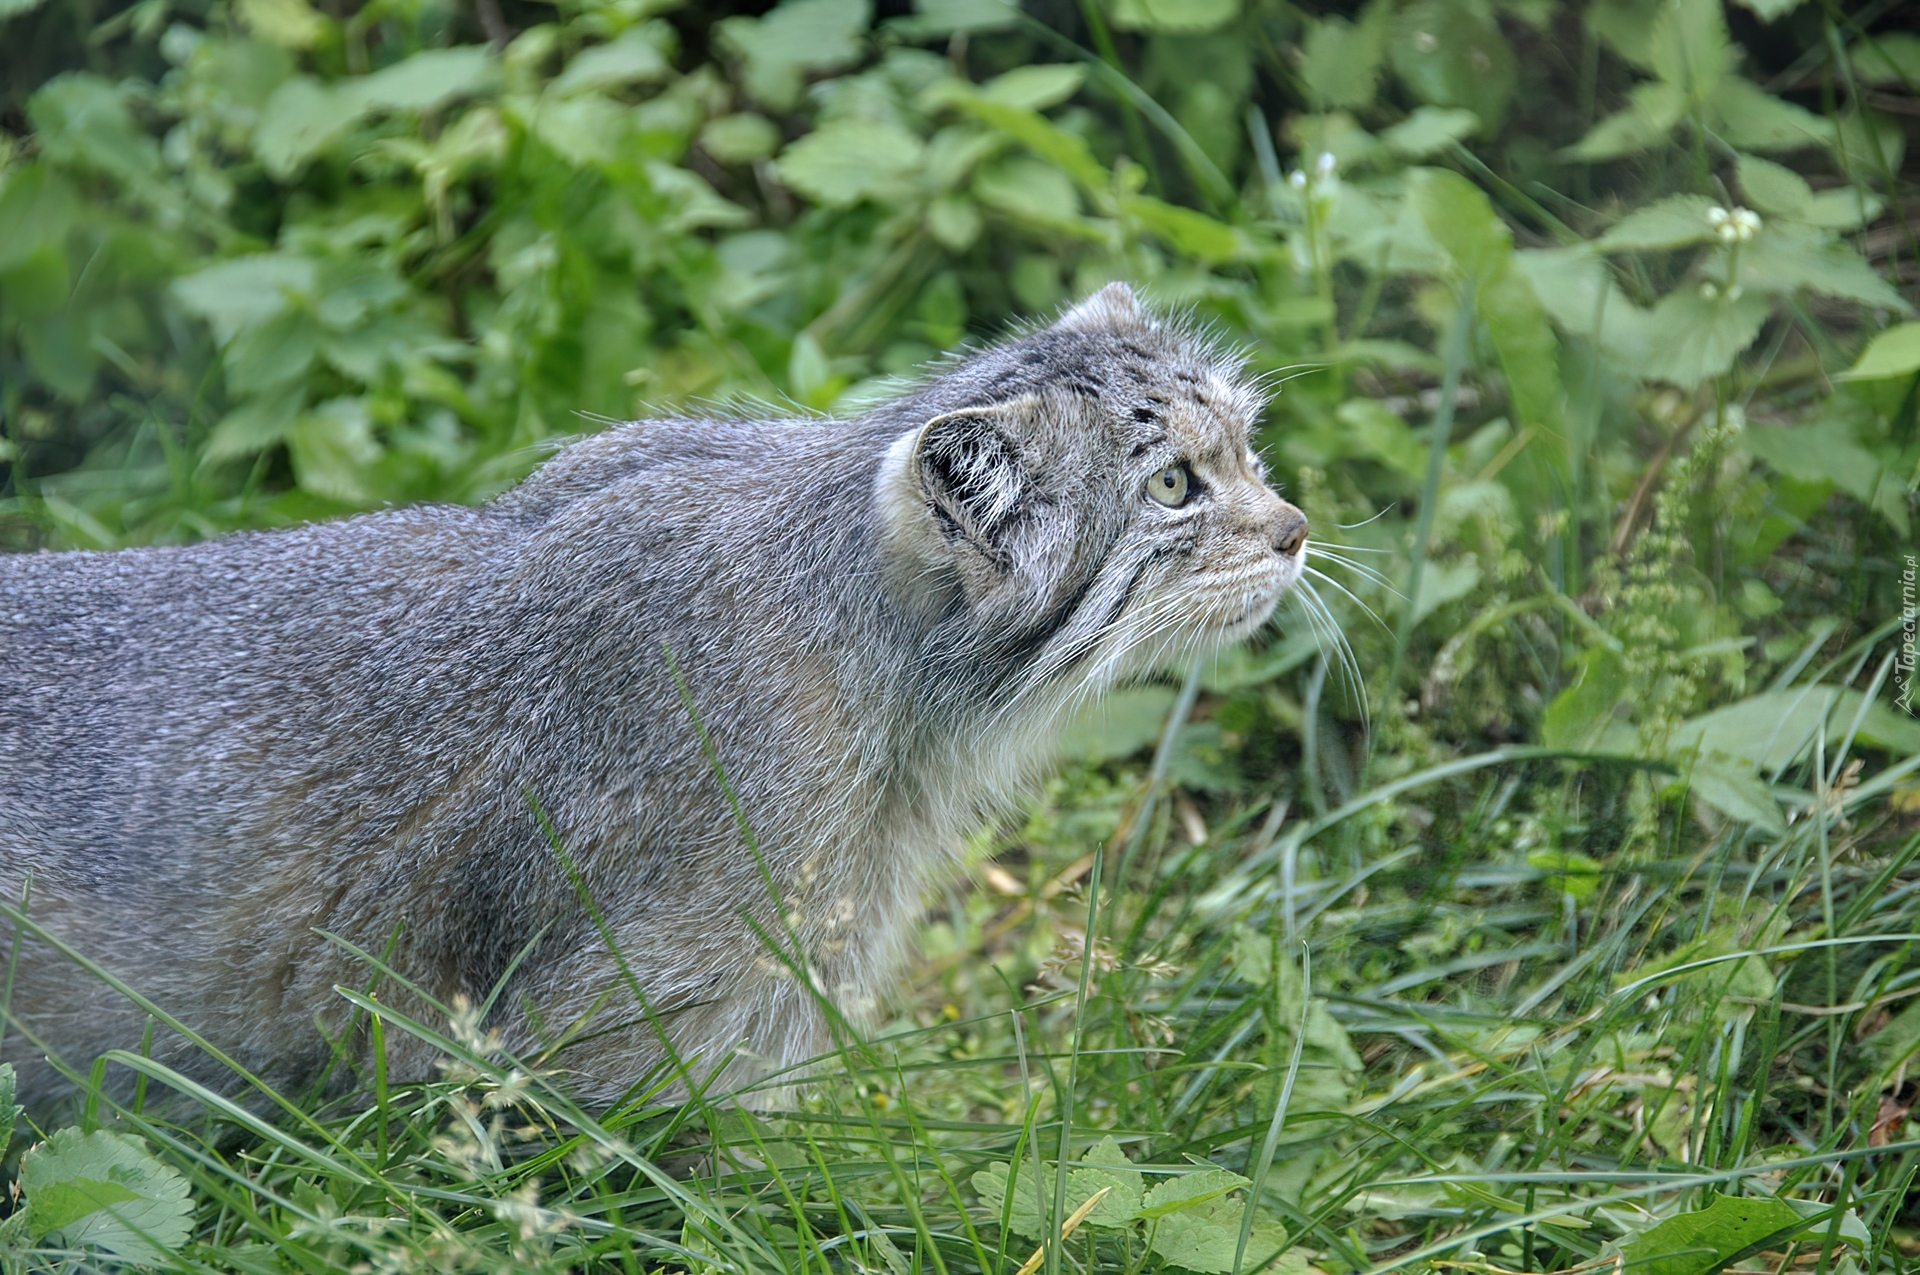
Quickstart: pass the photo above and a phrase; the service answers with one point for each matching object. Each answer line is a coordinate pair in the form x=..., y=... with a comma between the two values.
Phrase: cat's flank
x=210, y=754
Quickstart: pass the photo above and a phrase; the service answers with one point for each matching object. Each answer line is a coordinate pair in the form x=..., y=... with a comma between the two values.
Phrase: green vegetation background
x=1540, y=894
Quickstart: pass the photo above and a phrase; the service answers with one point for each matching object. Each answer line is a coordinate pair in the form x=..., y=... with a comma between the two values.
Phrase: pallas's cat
x=383, y=727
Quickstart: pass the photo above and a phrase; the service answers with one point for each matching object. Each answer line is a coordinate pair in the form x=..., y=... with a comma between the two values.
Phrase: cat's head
x=1088, y=493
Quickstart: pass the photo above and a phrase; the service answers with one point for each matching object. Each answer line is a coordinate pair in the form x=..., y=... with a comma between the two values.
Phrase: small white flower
x=1297, y=179
x=1323, y=166
x=1717, y=216
x=1747, y=222
x=1708, y=290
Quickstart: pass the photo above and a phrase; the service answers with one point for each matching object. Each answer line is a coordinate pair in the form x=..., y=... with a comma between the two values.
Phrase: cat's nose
x=1288, y=530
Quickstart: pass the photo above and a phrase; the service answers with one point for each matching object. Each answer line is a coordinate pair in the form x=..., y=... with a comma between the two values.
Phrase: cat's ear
x=970, y=473
x=1114, y=308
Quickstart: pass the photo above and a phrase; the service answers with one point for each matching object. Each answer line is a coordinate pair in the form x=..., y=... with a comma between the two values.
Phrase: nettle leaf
x=1205, y=1239
x=301, y=119
x=797, y=37
x=637, y=55
x=36, y=210
x=1774, y=189
x=1691, y=336
x=1579, y=292
x=740, y=138
x=1036, y=88
x=1821, y=451
x=1671, y=223
x=1429, y=129
x=1460, y=219
x=848, y=160
x=1340, y=65
x=103, y=1190
x=1068, y=151
x=1107, y=1168
x=80, y=120
x=426, y=81
x=1451, y=53
x=1174, y=17
x=242, y=291
x=1706, y=1240
x=1888, y=59
x=272, y=353
x=1751, y=119
x=1689, y=48
x=1185, y=231
x=1895, y=352
x=1652, y=111
x=1785, y=258
x=1189, y=1190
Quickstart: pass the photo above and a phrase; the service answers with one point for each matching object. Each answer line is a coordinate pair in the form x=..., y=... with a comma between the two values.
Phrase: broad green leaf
x=290, y=24
x=1429, y=129
x=1671, y=223
x=1191, y=233
x=1689, y=48
x=1340, y=63
x=1028, y=188
x=271, y=353
x=1444, y=582
x=1580, y=294
x=1734, y=790
x=8, y=1111
x=955, y=221
x=1568, y=872
x=1773, y=189
x=1041, y=136
x=1036, y=88
x=255, y=425
x=740, y=138
x=1705, y=1241
x=1205, y=1238
x=848, y=160
x=1692, y=336
x=1625, y=26
x=1461, y=220
x=1586, y=715
x=1451, y=53
x=1106, y=1165
x=1529, y=355
x=331, y=448
x=428, y=80
x=1821, y=451
x=301, y=119
x=1895, y=352
x=1117, y=725
x=1892, y=59
x=1866, y=143
x=1847, y=208
x=1784, y=258
x=1771, y=730
x=241, y=291
x=1174, y=17
x=586, y=130
x=797, y=37
x=36, y=209
x=1652, y=112
x=952, y=17
x=103, y=1190
x=80, y=120
x=636, y=56
x=1379, y=434
x=1753, y=120
x=1187, y=1191
x=1032, y=1205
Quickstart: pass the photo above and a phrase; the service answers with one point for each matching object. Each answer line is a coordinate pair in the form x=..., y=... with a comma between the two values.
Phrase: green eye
x=1170, y=486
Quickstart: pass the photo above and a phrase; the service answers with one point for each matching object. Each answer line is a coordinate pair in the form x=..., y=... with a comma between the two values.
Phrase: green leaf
x=1069, y=151
x=1120, y=724
x=951, y=17
x=1773, y=189
x=1771, y=9
x=797, y=37
x=81, y=121
x=1451, y=53
x=36, y=209
x=14, y=8
x=1173, y=17
x=848, y=160
x=1670, y=223
x=1204, y=1239
x=1895, y=352
x=1104, y=1166
x=272, y=353
x=1459, y=217
x=1429, y=129
x=1784, y=258
x=1340, y=63
x=1705, y=1241
x=1579, y=292
x=1691, y=337
x=1585, y=716
x=255, y=425
x=1733, y=790
x=954, y=221
x=1753, y=120
x=1568, y=872
x=427, y=81
x=331, y=448
x=1688, y=47
x=636, y=56
x=1185, y=231
x=1821, y=451
x=103, y=1190
x=740, y=138
x=1773, y=729
x=1652, y=112
x=1188, y=1190
x=1109, y=1168
x=241, y=291
x=1847, y=208
x=301, y=119
x=290, y=24
x=1892, y=59
x=8, y=1111
x=1529, y=355
x=1036, y=88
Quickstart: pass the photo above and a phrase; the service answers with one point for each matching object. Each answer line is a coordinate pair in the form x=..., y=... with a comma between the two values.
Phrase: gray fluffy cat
x=209, y=753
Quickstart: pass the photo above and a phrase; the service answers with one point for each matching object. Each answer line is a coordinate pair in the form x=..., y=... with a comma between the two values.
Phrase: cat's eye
x=1171, y=485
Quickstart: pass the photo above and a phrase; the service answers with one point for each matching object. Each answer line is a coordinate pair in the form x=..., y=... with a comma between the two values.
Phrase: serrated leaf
x=1691, y=337
x=1429, y=129
x=846, y=161
x=1673, y=222
x=1205, y=1238
x=271, y=353
x=1774, y=189
x=1823, y=451
x=1689, y=48
x=1340, y=62
x=1753, y=120
x=301, y=119
x=1704, y=1241
x=290, y=24
x=1191, y=233
x=36, y=208
x=1773, y=729
x=1036, y=88
x=1451, y=53
x=1174, y=17
x=797, y=37
x=1784, y=258
x=103, y=1190
x=426, y=81
x=1848, y=208
x=1895, y=352
x=1187, y=1191
x=1652, y=112
x=1892, y=59
x=1734, y=790
x=1460, y=218
x=242, y=291
x=634, y=56
x=1068, y=151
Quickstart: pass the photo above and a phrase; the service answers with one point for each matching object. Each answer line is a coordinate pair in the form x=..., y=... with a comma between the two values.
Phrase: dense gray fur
x=208, y=753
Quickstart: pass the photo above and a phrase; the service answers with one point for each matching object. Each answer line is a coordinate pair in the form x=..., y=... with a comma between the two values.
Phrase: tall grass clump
x=1538, y=894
